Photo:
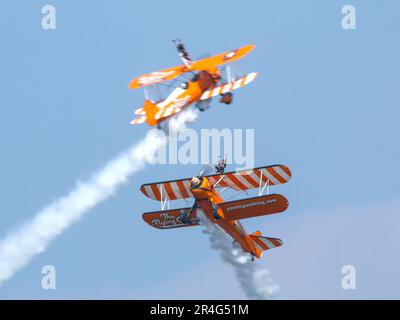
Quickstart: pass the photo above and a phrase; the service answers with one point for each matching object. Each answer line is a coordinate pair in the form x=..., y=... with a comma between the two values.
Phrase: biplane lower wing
x=169, y=219
x=228, y=87
x=253, y=207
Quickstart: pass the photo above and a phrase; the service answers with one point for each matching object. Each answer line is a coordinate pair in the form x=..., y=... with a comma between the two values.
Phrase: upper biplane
x=226, y=214
x=206, y=81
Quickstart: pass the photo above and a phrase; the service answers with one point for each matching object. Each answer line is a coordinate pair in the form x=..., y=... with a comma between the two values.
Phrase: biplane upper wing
x=252, y=178
x=157, y=77
x=203, y=64
x=253, y=207
x=237, y=180
x=168, y=219
x=171, y=190
x=222, y=58
x=228, y=87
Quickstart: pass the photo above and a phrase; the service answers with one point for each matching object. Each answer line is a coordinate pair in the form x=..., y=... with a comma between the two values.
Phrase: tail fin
x=151, y=110
x=146, y=113
x=264, y=243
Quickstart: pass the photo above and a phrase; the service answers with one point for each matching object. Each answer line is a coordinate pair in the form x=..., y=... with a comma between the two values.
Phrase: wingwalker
x=206, y=81
x=226, y=215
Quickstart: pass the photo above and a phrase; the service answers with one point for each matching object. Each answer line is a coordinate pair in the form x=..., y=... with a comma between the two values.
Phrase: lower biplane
x=201, y=81
x=226, y=214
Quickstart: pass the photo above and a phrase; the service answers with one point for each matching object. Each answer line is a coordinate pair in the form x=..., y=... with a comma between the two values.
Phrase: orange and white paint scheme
x=206, y=82
x=226, y=215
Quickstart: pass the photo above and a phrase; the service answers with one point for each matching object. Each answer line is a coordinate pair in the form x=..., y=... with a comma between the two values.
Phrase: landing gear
x=226, y=98
x=215, y=212
x=203, y=105
x=185, y=215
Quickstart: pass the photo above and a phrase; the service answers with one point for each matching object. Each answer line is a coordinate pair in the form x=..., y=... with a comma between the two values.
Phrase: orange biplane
x=206, y=82
x=226, y=215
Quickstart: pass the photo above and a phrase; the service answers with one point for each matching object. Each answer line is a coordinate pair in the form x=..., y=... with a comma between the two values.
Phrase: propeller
x=206, y=169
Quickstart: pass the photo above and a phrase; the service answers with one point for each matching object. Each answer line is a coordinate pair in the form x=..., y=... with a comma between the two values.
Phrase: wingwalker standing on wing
x=187, y=60
x=220, y=166
x=206, y=82
x=226, y=215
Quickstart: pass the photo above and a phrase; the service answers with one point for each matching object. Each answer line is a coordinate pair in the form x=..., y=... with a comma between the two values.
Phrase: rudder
x=151, y=110
x=147, y=113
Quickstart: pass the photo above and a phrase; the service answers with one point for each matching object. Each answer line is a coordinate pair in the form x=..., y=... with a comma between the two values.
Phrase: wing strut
x=146, y=94
x=164, y=202
x=219, y=180
x=229, y=74
x=262, y=187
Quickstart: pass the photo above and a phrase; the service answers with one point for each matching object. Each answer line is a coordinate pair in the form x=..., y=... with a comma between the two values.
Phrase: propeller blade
x=206, y=169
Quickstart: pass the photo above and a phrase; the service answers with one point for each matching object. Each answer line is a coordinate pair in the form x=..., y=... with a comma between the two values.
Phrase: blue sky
x=326, y=103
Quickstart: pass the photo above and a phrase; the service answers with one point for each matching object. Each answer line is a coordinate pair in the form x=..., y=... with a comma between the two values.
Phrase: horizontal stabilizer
x=140, y=112
x=253, y=207
x=166, y=112
x=266, y=243
x=139, y=120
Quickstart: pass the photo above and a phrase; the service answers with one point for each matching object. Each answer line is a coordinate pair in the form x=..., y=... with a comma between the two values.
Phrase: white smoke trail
x=23, y=244
x=174, y=126
x=253, y=278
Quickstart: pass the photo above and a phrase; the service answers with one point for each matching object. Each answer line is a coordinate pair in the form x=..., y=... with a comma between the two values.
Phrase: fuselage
x=190, y=91
x=208, y=199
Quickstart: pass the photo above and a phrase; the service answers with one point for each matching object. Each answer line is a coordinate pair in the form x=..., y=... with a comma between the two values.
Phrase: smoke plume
x=254, y=279
x=20, y=246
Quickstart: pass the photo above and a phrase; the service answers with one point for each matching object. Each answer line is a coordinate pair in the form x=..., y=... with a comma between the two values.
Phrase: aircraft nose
x=195, y=182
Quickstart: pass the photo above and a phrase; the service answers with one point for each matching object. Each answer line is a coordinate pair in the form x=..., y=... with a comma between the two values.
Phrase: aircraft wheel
x=226, y=98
